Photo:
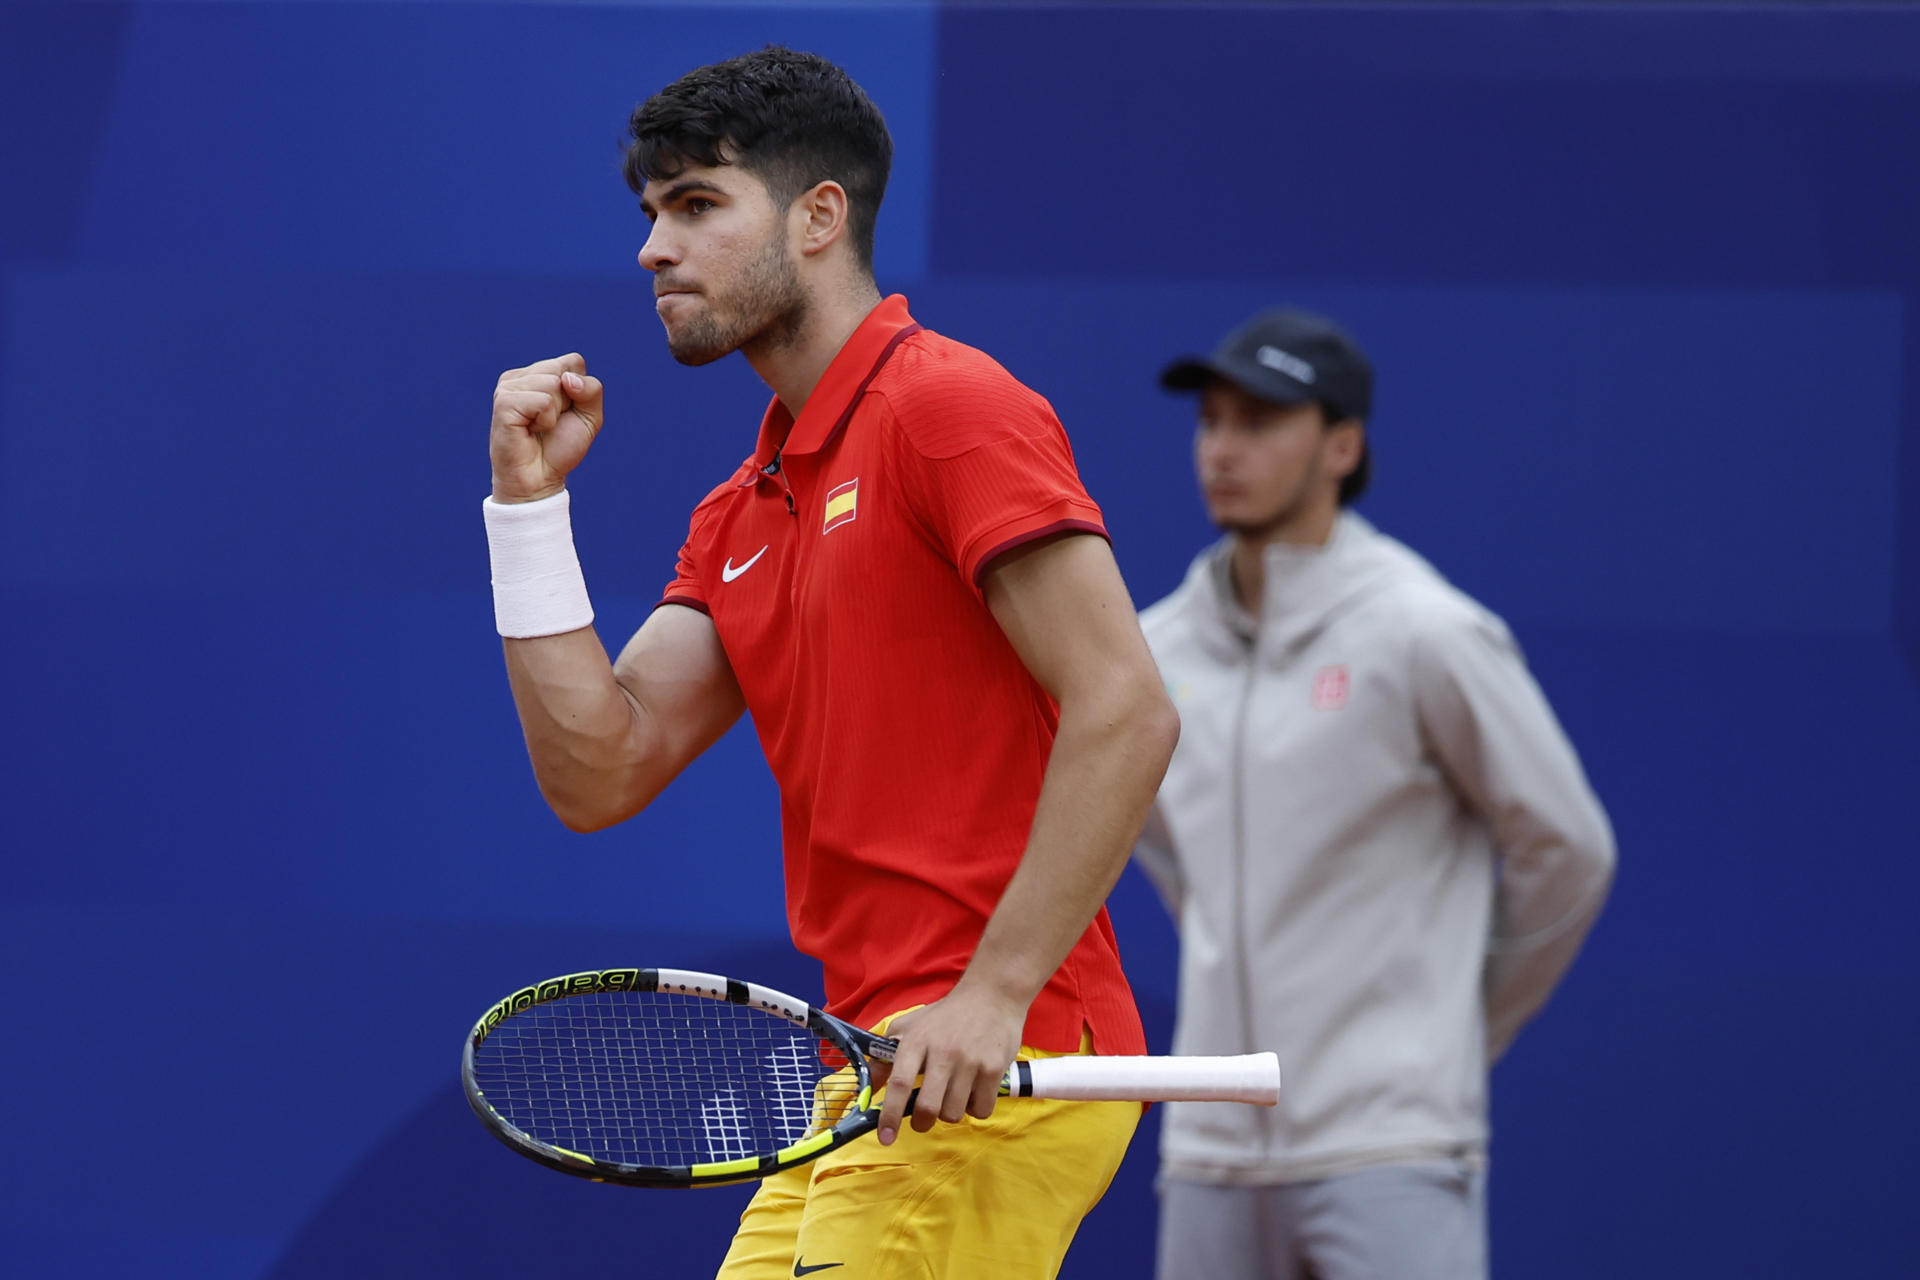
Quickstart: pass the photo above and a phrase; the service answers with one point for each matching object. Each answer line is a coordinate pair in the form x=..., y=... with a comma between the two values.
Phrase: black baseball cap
x=1287, y=357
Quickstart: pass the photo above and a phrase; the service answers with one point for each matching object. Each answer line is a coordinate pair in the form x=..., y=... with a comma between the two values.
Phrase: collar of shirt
x=838, y=392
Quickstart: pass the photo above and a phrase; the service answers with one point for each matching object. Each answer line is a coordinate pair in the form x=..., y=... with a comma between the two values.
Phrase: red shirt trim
x=1032, y=535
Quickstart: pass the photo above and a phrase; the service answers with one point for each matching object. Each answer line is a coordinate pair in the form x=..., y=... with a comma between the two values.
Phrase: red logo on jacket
x=1330, y=688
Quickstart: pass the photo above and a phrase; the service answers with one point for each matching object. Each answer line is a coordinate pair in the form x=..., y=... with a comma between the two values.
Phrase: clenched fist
x=544, y=419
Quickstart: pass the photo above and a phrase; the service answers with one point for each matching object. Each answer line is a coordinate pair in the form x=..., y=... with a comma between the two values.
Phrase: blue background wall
x=1641, y=284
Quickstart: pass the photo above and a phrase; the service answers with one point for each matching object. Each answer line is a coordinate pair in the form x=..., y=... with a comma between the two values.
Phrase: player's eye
x=699, y=205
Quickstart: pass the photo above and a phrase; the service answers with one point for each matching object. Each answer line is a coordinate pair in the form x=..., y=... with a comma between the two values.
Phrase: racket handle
x=1251, y=1077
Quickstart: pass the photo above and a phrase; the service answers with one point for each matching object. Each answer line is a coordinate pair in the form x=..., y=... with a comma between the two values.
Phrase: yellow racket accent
x=805, y=1147
x=726, y=1168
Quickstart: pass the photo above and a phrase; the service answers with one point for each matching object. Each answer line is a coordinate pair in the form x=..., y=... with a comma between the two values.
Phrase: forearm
x=577, y=721
x=1109, y=755
x=584, y=732
x=604, y=737
x=1547, y=905
x=1519, y=979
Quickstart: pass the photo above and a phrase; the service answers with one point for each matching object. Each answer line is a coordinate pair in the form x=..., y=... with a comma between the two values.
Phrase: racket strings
x=661, y=1079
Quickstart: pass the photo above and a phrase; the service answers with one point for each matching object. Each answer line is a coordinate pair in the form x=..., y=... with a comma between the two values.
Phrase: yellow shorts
x=996, y=1198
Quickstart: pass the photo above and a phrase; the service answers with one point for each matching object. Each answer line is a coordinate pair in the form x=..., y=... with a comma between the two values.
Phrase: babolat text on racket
x=671, y=1078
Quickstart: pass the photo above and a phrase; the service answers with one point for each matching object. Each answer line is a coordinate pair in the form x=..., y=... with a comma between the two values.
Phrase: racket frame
x=859, y=1046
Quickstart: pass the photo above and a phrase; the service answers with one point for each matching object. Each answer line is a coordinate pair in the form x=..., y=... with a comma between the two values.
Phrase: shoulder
x=947, y=398
x=1444, y=624
x=1419, y=603
x=719, y=498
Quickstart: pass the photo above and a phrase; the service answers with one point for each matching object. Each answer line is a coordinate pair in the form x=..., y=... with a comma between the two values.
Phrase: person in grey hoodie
x=1378, y=845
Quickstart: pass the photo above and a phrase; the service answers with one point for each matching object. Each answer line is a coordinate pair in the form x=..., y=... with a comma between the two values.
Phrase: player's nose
x=657, y=252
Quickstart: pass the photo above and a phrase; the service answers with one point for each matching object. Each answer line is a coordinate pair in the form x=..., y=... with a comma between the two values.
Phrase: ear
x=1346, y=441
x=820, y=216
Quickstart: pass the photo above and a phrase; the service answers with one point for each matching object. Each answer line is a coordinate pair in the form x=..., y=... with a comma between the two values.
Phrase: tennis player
x=907, y=586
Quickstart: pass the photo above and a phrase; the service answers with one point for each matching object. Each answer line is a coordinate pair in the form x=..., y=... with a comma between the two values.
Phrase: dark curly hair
x=791, y=119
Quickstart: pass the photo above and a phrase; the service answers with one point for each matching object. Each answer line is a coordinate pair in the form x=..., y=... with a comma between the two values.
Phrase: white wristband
x=537, y=586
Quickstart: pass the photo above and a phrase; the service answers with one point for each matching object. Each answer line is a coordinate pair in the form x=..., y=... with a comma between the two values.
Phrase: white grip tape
x=538, y=589
x=1252, y=1077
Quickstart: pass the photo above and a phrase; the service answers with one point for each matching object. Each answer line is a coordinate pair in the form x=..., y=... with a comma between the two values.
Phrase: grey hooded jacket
x=1379, y=847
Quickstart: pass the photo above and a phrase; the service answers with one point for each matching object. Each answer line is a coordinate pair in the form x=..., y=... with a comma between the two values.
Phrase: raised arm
x=1064, y=608
x=604, y=738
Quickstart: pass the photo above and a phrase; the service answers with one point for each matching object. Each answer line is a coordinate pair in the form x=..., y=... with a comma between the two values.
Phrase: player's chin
x=695, y=349
x=1229, y=514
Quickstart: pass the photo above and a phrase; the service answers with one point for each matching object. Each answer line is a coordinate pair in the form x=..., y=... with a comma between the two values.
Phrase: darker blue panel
x=1760, y=789
x=1737, y=1016
x=61, y=63
x=62, y=60
x=1663, y=1126
x=1906, y=561
x=1600, y=146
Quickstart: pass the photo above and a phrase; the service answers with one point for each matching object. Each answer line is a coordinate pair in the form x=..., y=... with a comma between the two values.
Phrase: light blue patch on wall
x=363, y=137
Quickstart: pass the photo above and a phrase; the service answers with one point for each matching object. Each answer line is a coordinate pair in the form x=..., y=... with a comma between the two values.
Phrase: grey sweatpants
x=1424, y=1221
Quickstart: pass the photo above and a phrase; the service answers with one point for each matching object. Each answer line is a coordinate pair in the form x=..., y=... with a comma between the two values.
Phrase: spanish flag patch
x=843, y=503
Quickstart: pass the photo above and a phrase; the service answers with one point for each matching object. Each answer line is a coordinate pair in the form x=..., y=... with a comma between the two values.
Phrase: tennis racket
x=670, y=1078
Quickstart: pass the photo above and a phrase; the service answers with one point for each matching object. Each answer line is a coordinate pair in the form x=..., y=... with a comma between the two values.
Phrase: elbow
x=1164, y=726
x=1600, y=853
x=576, y=815
x=583, y=821
x=1606, y=861
x=585, y=811
x=1590, y=861
x=1125, y=718
x=1155, y=721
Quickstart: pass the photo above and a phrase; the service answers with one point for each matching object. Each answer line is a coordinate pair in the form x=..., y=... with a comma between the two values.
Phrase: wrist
x=508, y=495
x=538, y=589
x=988, y=985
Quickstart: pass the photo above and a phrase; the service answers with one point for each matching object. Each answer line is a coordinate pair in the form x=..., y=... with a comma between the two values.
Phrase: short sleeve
x=686, y=587
x=989, y=470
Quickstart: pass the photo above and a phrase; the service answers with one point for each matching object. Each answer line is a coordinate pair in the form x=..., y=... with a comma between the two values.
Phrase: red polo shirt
x=842, y=566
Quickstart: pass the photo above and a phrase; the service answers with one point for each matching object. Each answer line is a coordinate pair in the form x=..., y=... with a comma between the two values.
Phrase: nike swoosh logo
x=802, y=1269
x=727, y=574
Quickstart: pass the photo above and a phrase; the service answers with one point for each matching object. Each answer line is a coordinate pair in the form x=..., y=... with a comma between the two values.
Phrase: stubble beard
x=769, y=310
x=1284, y=514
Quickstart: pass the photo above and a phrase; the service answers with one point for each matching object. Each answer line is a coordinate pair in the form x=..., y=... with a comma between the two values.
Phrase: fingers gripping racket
x=670, y=1078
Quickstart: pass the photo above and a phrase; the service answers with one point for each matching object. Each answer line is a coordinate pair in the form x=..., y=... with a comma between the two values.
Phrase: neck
x=1309, y=528
x=794, y=368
